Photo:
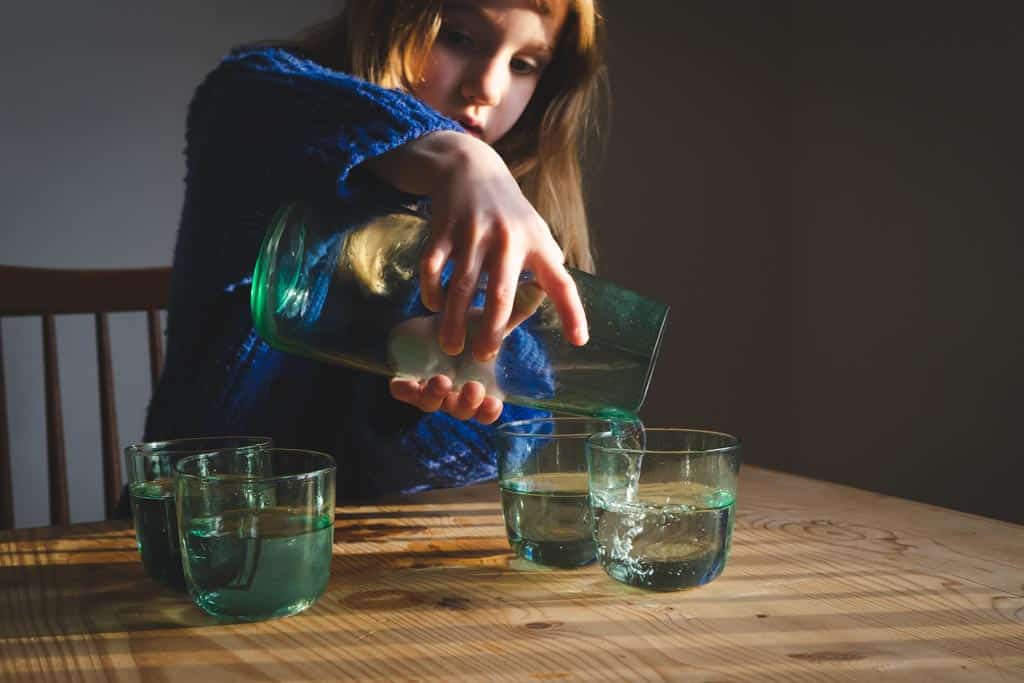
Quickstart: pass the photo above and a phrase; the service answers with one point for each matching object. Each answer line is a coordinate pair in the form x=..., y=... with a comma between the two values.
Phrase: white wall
x=92, y=133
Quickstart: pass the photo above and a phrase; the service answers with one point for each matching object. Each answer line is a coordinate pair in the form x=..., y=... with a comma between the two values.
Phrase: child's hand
x=413, y=352
x=436, y=394
x=481, y=221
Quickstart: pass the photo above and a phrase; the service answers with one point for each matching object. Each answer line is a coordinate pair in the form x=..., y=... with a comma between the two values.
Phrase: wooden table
x=825, y=583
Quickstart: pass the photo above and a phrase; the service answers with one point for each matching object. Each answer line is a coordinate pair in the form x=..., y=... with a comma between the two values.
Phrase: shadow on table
x=360, y=525
x=95, y=598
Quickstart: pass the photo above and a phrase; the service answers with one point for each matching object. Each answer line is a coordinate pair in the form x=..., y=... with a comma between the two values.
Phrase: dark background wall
x=907, y=169
x=826, y=194
x=829, y=195
x=693, y=208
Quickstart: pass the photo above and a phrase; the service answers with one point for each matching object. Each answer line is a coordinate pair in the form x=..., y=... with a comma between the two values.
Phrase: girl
x=477, y=105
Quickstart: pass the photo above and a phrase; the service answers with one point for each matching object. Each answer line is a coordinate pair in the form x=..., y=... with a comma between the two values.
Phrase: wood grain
x=825, y=583
x=33, y=291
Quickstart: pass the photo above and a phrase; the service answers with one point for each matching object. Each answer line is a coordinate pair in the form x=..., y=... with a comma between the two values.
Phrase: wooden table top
x=825, y=583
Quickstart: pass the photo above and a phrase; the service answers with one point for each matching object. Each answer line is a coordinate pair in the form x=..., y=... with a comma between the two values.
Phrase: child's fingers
x=405, y=390
x=435, y=255
x=559, y=285
x=461, y=290
x=489, y=411
x=463, y=404
x=503, y=275
x=427, y=396
x=434, y=393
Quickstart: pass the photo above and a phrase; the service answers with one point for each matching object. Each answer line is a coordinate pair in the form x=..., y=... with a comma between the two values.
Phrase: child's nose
x=486, y=84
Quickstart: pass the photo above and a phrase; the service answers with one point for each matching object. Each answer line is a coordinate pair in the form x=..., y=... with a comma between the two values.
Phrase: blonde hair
x=386, y=42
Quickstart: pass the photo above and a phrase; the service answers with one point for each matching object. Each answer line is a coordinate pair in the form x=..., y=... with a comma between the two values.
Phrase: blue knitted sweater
x=268, y=126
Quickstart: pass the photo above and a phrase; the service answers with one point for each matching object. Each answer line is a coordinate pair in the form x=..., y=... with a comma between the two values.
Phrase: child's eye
x=455, y=38
x=524, y=66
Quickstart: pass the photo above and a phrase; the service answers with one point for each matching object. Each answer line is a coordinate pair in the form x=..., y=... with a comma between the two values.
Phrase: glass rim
x=157, y=448
x=508, y=429
x=733, y=443
x=332, y=466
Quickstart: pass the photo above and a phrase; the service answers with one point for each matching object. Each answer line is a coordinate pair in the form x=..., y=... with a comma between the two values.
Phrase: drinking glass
x=542, y=471
x=663, y=507
x=150, y=468
x=256, y=530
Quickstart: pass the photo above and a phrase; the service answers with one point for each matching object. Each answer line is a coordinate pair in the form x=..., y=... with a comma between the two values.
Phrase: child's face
x=487, y=61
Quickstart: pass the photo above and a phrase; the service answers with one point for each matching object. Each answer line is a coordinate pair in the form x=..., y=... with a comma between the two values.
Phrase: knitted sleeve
x=303, y=127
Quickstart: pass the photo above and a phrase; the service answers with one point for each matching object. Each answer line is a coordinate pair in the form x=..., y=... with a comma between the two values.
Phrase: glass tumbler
x=542, y=474
x=663, y=507
x=256, y=530
x=151, y=493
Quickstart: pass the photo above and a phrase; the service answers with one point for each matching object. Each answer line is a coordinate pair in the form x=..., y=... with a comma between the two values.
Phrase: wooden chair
x=49, y=292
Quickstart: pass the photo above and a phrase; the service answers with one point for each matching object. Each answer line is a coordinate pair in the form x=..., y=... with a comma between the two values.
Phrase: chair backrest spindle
x=108, y=418
x=156, y=345
x=55, y=460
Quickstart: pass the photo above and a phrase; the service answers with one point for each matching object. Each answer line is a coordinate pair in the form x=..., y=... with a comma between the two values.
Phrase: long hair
x=386, y=42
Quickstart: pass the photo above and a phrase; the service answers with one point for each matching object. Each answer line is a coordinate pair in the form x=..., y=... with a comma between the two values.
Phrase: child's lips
x=472, y=127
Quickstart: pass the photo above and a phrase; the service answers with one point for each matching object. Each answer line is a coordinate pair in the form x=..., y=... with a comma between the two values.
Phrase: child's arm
x=295, y=128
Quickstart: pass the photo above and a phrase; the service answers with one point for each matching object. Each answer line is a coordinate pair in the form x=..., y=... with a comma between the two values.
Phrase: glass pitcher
x=343, y=287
